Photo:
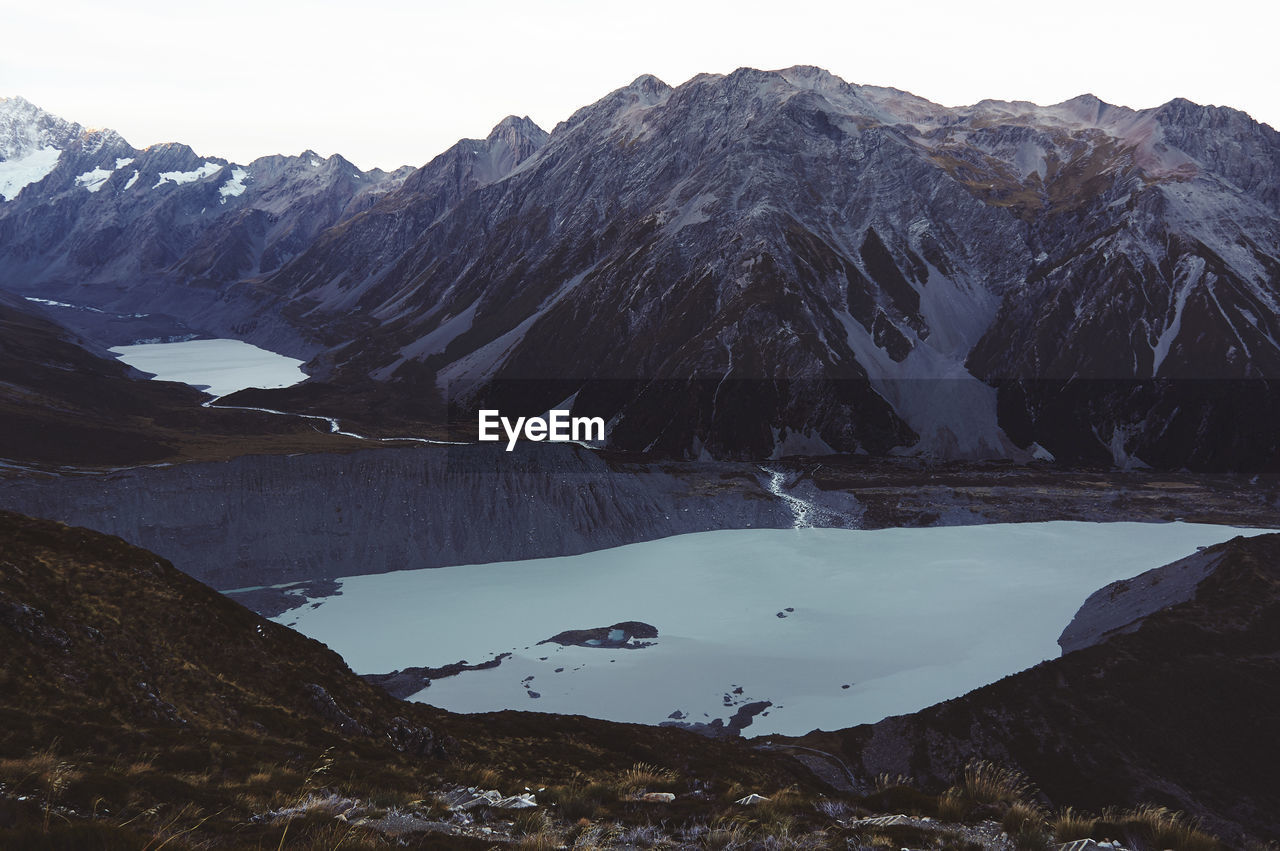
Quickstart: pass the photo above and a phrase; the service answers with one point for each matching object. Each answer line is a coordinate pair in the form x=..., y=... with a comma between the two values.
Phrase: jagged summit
x=25, y=128
x=18, y=107
x=127, y=213
x=649, y=84
x=31, y=143
x=813, y=77
x=515, y=123
x=1090, y=110
x=518, y=132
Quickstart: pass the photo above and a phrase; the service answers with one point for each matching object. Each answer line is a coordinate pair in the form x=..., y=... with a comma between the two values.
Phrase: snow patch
x=180, y=177
x=17, y=174
x=1190, y=272
x=51, y=303
x=234, y=187
x=132, y=180
x=1039, y=453
x=95, y=179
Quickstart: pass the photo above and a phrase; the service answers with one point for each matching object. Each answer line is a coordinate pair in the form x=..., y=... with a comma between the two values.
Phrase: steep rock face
x=339, y=269
x=31, y=143
x=659, y=259
x=1122, y=606
x=1146, y=331
x=758, y=262
x=259, y=520
x=1169, y=712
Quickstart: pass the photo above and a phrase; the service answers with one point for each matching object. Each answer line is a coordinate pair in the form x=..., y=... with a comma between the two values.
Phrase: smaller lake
x=218, y=367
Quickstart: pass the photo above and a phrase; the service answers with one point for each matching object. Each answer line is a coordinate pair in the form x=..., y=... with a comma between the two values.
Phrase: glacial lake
x=835, y=627
x=218, y=367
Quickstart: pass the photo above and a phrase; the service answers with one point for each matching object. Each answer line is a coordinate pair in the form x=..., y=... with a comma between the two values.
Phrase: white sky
x=387, y=82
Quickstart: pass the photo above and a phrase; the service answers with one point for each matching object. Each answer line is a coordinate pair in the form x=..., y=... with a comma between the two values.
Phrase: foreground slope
x=142, y=688
x=1176, y=711
x=138, y=706
x=114, y=649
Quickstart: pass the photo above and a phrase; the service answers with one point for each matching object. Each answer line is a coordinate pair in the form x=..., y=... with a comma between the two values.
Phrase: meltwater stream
x=808, y=515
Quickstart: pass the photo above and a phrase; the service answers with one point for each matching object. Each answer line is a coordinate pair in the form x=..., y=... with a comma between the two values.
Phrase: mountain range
x=745, y=266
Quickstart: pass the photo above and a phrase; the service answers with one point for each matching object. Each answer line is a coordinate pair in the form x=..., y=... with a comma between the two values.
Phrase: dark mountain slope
x=139, y=687
x=61, y=403
x=779, y=261
x=1179, y=712
x=329, y=293
x=114, y=649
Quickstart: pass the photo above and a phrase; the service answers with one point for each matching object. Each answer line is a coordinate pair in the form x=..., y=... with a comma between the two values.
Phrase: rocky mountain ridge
x=793, y=262
x=776, y=262
x=90, y=220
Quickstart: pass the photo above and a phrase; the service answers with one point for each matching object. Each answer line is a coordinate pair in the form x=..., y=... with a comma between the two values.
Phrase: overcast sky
x=387, y=83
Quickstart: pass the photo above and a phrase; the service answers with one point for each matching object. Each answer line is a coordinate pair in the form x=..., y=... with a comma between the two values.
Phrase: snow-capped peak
x=26, y=128
x=32, y=142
